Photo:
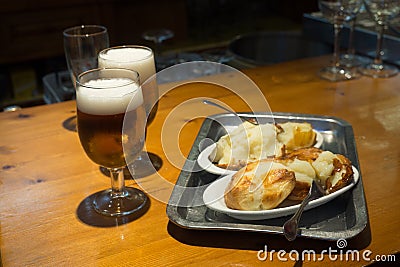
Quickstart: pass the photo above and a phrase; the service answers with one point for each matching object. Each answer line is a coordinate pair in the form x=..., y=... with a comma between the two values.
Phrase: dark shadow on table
x=70, y=124
x=87, y=214
x=257, y=240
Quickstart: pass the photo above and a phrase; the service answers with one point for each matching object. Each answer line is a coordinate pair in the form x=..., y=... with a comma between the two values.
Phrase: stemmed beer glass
x=103, y=97
x=337, y=12
x=82, y=44
x=140, y=59
x=382, y=11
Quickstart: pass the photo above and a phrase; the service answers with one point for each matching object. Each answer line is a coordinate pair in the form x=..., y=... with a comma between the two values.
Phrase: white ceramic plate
x=209, y=153
x=213, y=197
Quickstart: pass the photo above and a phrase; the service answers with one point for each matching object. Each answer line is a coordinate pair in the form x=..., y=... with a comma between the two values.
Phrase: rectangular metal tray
x=343, y=217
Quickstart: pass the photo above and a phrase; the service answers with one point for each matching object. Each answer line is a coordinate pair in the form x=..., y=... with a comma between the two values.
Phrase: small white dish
x=205, y=161
x=213, y=198
x=205, y=157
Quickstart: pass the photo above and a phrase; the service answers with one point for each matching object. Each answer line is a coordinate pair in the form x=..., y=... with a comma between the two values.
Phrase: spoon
x=290, y=228
x=209, y=102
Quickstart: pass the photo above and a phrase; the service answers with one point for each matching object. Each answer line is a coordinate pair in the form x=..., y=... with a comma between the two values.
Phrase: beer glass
x=103, y=97
x=82, y=45
x=140, y=59
x=338, y=12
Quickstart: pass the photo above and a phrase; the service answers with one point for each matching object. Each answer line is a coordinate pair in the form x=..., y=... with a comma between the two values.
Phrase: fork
x=290, y=228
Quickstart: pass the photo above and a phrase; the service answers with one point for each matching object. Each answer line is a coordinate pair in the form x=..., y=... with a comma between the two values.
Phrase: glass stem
x=158, y=48
x=337, y=29
x=117, y=182
x=378, y=56
x=350, y=49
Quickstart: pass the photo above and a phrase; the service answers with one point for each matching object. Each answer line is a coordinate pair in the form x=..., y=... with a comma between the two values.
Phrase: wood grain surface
x=46, y=179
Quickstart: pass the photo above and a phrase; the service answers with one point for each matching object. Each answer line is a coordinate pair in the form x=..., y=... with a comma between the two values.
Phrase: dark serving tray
x=343, y=217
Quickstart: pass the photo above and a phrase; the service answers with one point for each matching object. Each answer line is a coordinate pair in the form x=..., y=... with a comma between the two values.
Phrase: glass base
x=349, y=61
x=335, y=74
x=146, y=164
x=378, y=70
x=130, y=201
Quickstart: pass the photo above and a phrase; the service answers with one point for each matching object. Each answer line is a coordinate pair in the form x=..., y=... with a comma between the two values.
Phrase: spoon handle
x=208, y=102
x=290, y=227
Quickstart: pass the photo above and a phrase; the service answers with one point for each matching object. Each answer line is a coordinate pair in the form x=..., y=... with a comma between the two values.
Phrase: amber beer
x=100, y=116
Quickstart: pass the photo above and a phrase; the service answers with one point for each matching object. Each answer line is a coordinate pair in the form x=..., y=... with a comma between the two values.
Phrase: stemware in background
x=103, y=97
x=82, y=45
x=350, y=59
x=382, y=11
x=163, y=59
x=140, y=59
x=338, y=12
x=158, y=36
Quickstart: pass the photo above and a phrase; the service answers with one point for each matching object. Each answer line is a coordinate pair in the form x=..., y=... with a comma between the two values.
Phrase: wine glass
x=82, y=44
x=382, y=11
x=102, y=98
x=140, y=59
x=350, y=59
x=158, y=36
x=338, y=12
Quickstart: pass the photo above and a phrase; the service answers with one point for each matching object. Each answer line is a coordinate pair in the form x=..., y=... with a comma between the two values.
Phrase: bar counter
x=45, y=178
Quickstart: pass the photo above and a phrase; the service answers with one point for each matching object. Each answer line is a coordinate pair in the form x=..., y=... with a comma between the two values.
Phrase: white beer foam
x=108, y=96
x=137, y=59
x=127, y=54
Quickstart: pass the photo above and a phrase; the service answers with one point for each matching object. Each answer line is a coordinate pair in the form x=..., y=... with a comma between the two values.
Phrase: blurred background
x=32, y=61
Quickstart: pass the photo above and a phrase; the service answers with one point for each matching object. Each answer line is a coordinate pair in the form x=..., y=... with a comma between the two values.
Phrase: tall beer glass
x=102, y=98
x=140, y=59
x=82, y=45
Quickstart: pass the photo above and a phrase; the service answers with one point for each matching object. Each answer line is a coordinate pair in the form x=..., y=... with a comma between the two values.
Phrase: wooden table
x=45, y=178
